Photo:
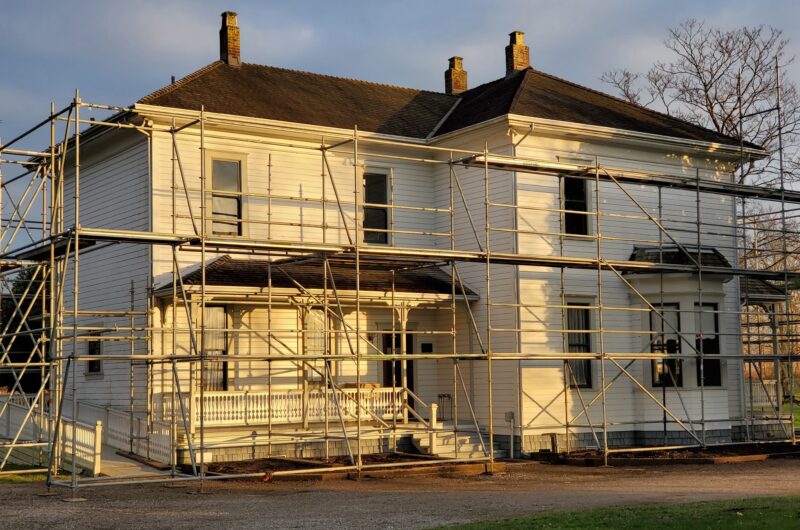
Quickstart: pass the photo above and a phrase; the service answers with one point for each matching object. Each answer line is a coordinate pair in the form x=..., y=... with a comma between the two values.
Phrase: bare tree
x=702, y=82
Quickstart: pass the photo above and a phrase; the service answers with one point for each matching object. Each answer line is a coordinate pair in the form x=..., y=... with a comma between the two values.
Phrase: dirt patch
x=709, y=455
x=269, y=466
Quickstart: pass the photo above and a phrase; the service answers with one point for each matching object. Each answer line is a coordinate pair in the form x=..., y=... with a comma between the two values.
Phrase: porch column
x=302, y=324
x=402, y=317
x=194, y=375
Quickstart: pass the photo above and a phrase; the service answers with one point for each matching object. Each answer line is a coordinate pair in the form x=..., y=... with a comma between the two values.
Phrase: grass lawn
x=22, y=477
x=764, y=512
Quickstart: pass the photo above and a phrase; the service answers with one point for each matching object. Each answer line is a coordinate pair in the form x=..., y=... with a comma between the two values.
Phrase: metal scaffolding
x=45, y=322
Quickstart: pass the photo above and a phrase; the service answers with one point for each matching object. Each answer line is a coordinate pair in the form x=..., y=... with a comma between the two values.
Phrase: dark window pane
x=375, y=218
x=575, y=199
x=225, y=176
x=94, y=367
x=579, y=342
x=375, y=189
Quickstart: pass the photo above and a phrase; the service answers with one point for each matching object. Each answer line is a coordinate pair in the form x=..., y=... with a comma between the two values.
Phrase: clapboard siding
x=114, y=194
x=545, y=402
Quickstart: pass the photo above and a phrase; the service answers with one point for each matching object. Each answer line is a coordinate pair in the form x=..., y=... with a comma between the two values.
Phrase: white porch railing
x=287, y=407
x=763, y=395
x=87, y=436
x=150, y=440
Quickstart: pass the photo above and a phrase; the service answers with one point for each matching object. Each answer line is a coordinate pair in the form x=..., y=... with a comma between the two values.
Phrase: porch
x=386, y=406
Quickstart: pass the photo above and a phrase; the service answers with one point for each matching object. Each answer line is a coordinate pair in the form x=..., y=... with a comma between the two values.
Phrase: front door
x=215, y=371
x=392, y=370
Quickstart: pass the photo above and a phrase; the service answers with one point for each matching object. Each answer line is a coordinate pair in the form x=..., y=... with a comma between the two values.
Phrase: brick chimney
x=518, y=56
x=455, y=77
x=229, y=39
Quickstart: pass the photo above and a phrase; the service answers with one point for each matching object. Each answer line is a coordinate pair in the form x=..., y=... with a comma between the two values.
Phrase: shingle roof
x=756, y=289
x=537, y=94
x=228, y=271
x=302, y=97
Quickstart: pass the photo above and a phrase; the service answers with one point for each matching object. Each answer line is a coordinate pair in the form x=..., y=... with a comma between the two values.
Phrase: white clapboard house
x=273, y=168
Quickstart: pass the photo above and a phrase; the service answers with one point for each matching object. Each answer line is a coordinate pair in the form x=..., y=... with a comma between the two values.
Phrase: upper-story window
x=226, y=197
x=576, y=200
x=376, y=218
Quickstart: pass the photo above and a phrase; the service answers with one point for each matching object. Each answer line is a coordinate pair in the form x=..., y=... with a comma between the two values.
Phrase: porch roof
x=675, y=255
x=309, y=273
x=755, y=290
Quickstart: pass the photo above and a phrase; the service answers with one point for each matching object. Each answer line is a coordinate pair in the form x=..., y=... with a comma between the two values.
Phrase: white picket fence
x=763, y=395
x=286, y=407
x=87, y=437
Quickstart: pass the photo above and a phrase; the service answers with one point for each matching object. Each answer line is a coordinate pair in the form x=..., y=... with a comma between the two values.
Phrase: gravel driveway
x=417, y=502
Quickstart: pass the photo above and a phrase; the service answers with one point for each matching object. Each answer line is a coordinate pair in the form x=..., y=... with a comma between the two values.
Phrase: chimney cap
x=456, y=62
x=517, y=37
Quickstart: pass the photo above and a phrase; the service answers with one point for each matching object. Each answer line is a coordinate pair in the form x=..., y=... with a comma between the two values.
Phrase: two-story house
x=326, y=266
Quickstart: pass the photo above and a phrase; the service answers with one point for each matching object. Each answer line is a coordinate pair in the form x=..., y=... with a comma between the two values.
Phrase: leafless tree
x=701, y=83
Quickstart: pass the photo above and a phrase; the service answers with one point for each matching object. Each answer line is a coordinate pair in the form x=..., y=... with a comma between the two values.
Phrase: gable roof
x=302, y=97
x=536, y=94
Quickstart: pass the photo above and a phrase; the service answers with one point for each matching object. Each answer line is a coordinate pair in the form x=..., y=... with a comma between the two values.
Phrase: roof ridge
x=343, y=78
x=631, y=103
x=181, y=82
x=518, y=90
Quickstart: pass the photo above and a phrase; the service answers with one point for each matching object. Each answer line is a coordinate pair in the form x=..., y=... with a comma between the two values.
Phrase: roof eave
x=625, y=135
x=183, y=116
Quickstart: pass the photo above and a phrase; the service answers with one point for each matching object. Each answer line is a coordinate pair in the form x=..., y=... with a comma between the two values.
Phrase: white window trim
x=646, y=325
x=591, y=219
x=593, y=369
x=99, y=374
x=228, y=156
x=389, y=174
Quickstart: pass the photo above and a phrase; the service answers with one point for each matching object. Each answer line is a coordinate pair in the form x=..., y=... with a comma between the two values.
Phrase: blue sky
x=117, y=51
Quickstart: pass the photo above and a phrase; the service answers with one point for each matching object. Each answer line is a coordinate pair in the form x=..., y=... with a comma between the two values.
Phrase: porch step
x=452, y=445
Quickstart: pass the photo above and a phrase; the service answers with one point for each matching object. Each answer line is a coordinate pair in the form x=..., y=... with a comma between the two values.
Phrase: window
x=226, y=198
x=215, y=371
x=579, y=341
x=576, y=200
x=94, y=367
x=376, y=219
x=707, y=340
x=666, y=372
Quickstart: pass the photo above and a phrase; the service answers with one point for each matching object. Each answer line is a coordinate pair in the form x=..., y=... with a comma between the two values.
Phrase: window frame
x=90, y=345
x=227, y=156
x=655, y=374
x=588, y=306
x=587, y=217
x=387, y=175
x=698, y=332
